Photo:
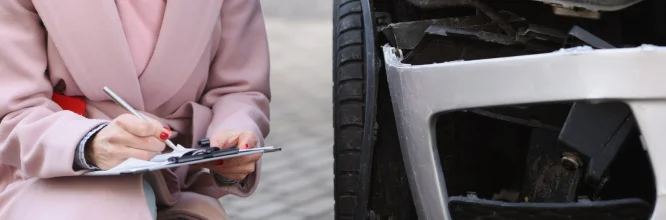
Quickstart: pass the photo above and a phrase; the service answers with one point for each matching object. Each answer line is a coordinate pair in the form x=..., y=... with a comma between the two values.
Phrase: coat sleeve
x=36, y=136
x=238, y=86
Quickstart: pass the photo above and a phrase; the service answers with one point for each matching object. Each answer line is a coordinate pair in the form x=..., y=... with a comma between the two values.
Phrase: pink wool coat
x=209, y=72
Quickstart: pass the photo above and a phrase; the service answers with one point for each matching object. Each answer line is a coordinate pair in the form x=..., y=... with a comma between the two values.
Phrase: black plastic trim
x=367, y=150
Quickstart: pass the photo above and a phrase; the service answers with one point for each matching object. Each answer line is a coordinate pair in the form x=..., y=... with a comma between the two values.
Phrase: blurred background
x=296, y=183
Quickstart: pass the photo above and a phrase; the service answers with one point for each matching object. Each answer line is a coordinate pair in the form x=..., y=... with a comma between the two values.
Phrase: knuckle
x=154, y=122
x=111, y=128
x=123, y=122
x=141, y=142
x=112, y=138
x=122, y=119
x=149, y=142
x=146, y=155
x=114, y=123
x=145, y=128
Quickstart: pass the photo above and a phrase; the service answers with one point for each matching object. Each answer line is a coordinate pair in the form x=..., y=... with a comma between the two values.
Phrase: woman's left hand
x=239, y=167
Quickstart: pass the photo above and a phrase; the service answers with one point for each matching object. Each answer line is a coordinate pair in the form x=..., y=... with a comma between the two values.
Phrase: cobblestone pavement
x=296, y=183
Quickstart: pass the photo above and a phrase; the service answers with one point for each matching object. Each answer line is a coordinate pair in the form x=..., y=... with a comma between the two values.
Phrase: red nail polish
x=164, y=136
x=167, y=128
x=220, y=162
x=247, y=146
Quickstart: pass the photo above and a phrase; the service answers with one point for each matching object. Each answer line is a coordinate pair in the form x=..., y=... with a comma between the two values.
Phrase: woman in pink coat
x=196, y=68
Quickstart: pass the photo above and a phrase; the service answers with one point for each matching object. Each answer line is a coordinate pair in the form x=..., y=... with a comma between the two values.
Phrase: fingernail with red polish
x=164, y=136
x=167, y=128
x=220, y=162
x=247, y=146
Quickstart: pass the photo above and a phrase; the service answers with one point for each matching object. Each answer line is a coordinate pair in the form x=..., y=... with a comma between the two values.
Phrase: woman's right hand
x=125, y=137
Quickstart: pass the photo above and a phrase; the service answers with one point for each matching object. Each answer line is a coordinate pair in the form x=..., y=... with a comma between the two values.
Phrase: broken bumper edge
x=636, y=76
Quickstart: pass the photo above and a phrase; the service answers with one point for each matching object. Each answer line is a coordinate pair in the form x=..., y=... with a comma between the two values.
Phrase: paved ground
x=296, y=183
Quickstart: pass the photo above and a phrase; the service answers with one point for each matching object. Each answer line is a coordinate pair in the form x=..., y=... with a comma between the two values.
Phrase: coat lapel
x=184, y=36
x=90, y=38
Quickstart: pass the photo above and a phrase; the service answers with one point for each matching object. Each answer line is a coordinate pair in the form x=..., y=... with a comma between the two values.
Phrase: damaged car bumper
x=595, y=5
x=421, y=91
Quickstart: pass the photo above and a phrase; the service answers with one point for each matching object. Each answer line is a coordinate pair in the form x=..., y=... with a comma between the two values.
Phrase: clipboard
x=191, y=156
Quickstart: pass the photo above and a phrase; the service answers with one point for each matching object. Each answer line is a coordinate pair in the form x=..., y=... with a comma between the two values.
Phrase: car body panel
x=421, y=92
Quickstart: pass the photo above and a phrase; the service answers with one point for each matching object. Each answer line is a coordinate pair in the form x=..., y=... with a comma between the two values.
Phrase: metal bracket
x=596, y=132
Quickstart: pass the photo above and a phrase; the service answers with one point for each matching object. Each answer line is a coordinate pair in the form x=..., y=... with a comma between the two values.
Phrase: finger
x=210, y=164
x=231, y=162
x=243, y=169
x=200, y=165
x=225, y=139
x=123, y=137
x=161, y=132
x=237, y=161
x=142, y=128
x=247, y=139
x=129, y=152
x=135, y=125
x=116, y=154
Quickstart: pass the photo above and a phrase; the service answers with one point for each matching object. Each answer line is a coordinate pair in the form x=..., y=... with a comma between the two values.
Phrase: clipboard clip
x=203, y=151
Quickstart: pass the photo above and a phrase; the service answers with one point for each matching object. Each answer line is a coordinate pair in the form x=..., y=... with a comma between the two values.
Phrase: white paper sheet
x=132, y=163
x=165, y=157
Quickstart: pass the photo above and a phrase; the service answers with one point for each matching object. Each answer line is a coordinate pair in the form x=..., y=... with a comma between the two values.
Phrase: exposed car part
x=589, y=38
x=463, y=208
x=437, y=3
x=593, y=5
x=576, y=12
x=596, y=132
x=520, y=77
x=549, y=175
x=406, y=35
x=498, y=153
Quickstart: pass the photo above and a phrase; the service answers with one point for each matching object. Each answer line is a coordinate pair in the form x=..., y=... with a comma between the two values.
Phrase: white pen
x=129, y=108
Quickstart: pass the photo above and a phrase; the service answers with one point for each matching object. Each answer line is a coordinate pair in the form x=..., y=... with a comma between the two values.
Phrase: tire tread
x=348, y=104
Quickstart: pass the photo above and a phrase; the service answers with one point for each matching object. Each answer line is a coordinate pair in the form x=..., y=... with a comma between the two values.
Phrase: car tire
x=348, y=102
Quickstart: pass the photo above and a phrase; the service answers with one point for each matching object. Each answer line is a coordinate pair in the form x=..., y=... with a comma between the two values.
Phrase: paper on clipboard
x=161, y=161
